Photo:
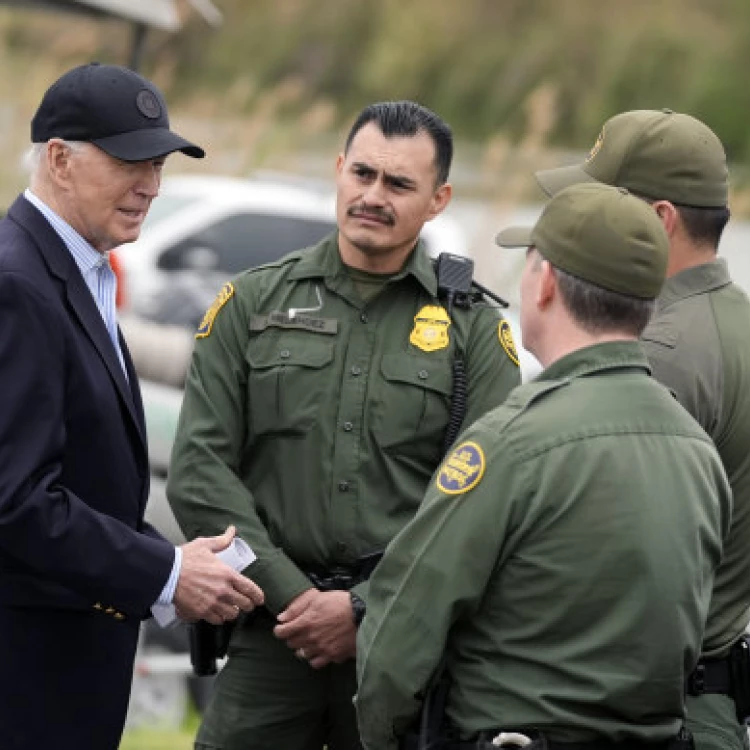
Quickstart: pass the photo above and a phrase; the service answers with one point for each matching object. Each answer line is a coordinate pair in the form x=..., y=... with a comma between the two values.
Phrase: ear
x=58, y=157
x=547, y=286
x=440, y=199
x=667, y=214
x=340, y=159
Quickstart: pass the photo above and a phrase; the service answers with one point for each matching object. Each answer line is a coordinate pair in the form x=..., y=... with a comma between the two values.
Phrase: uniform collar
x=693, y=281
x=612, y=355
x=324, y=261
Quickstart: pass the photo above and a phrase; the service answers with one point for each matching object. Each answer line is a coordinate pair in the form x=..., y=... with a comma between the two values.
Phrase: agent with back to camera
x=698, y=344
x=561, y=563
x=315, y=412
x=80, y=567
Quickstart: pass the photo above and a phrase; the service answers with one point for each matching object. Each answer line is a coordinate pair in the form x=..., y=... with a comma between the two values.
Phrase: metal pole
x=138, y=48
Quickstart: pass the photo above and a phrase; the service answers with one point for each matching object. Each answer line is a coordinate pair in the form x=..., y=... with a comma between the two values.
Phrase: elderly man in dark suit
x=79, y=567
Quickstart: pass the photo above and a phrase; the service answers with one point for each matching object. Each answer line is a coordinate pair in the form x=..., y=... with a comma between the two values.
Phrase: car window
x=242, y=241
x=166, y=205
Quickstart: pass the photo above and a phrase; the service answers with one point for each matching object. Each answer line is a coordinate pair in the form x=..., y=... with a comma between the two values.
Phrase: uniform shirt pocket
x=410, y=412
x=288, y=378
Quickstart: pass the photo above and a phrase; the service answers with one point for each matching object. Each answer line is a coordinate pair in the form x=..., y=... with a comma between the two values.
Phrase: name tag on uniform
x=300, y=322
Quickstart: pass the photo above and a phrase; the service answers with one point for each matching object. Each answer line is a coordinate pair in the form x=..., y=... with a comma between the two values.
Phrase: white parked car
x=202, y=230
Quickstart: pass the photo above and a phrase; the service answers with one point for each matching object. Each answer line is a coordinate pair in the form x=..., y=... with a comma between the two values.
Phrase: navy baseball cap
x=112, y=107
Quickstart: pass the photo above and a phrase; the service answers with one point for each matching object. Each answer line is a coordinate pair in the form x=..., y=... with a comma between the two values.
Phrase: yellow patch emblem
x=462, y=470
x=430, y=331
x=226, y=293
x=506, y=341
x=596, y=147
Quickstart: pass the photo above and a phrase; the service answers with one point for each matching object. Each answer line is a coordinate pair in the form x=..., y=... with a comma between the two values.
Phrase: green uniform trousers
x=267, y=699
x=712, y=720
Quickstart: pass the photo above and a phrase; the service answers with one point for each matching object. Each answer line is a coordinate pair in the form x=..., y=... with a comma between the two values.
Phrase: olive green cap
x=601, y=234
x=657, y=154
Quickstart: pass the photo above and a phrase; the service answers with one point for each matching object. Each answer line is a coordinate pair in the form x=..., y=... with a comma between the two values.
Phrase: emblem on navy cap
x=148, y=105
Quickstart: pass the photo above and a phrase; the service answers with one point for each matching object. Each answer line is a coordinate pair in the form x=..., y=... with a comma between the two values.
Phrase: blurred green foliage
x=477, y=62
x=527, y=81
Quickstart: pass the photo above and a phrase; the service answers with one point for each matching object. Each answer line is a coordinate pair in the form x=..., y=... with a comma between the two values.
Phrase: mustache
x=372, y=212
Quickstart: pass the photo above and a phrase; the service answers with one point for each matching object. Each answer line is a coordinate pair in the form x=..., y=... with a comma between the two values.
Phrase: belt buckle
x=697, y=680
x=341, y=579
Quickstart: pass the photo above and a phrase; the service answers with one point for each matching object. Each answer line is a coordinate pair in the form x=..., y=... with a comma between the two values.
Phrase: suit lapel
x=133, y=387
x=85, y=309
x=61, y=264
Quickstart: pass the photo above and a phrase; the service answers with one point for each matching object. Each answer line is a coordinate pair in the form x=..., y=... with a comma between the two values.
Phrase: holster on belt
x=727, y=676
x=432, y=730
x=207, y=644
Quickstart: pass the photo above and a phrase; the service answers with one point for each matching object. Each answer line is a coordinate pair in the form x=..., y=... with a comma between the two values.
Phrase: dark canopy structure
x=142, y=14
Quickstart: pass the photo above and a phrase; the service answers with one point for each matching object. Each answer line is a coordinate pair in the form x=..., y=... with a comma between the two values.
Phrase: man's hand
x=319, y=625
x=208, y=589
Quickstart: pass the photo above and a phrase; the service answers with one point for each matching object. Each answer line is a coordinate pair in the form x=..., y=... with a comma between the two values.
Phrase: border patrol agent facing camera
x=315, y=413
x=561, y=562
x=698, y=344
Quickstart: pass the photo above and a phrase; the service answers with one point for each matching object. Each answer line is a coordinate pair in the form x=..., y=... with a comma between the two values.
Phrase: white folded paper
x=238, y=555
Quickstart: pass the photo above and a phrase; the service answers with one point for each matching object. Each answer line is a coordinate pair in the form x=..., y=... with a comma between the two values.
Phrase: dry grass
x=158, y=740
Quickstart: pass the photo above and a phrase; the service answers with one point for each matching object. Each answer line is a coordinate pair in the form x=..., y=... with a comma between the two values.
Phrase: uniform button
x=343, y=485
x=363, y=317
x=348, y=426
x=341, y=547
x=422, y=374
x=356, y=371
x=284, y=354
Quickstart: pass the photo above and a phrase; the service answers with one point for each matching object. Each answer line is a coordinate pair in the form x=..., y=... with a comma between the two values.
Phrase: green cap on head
x=600, y=234
x=657, y=154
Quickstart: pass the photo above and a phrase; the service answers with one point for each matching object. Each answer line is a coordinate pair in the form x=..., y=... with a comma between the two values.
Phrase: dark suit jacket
x=74, y=472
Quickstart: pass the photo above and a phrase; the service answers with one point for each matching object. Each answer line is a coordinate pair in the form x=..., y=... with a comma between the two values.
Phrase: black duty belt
x=342, y=577
x=728, y=676
x=484, y=740
x=710, y=676
x=336, y=578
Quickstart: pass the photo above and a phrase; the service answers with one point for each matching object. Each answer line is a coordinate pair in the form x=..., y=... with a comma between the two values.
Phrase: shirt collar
x=324, y=261
x=610, y=355
x=693, y=281
x=85, y=256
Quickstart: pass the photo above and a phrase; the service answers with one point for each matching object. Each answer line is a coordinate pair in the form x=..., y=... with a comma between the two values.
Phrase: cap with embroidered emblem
x=112, y=107
x=601, y=234
x=657, y=154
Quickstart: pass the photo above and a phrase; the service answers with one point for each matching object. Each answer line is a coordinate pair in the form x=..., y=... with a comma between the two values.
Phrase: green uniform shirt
x=698, y=344
x=313, y=421
x=562, y=560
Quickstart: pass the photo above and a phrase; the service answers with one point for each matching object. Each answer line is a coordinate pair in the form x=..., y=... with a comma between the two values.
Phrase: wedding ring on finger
x=300, y=654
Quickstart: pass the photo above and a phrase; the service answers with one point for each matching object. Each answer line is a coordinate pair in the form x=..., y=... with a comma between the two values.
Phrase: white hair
x=32, y=159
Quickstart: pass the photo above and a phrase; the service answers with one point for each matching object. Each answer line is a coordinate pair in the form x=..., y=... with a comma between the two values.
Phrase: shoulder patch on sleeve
x=506, y=341
x=462, y=470
x=226, y=293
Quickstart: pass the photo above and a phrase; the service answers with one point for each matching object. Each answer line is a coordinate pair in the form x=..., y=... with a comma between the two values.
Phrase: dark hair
x=599, y=310
x=703, y=225
x=407, y=118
